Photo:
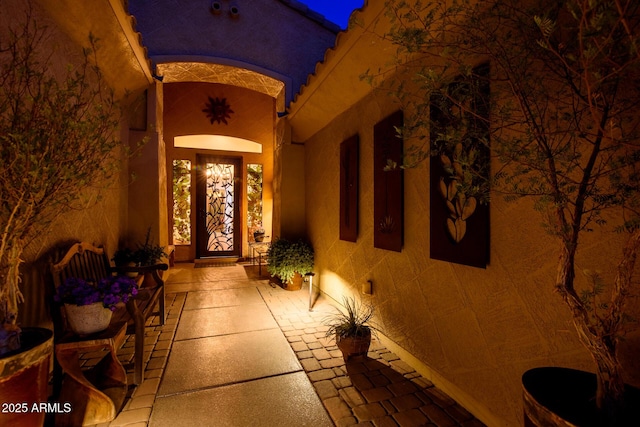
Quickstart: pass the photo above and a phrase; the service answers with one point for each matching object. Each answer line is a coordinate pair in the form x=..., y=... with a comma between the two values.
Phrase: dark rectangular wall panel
x=459, y=229
x=349, y=164
x=388, y=199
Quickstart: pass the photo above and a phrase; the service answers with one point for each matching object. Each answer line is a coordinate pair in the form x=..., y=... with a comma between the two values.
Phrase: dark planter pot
x=24, y=376
x=258, y=237
x=353, y=346
x=565, y=397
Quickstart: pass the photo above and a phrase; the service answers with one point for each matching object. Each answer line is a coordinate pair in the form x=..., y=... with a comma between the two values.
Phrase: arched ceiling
x=172, y=72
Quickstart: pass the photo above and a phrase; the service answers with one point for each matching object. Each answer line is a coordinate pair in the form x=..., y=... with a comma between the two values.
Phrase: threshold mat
x=215, y=264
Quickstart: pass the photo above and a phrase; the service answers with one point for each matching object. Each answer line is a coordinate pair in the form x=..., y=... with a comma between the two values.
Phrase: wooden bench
x=96, y=394
x=85, y=261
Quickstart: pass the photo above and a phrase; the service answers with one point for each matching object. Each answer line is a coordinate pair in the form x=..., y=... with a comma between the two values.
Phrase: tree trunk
x=610, y=391
x=600, y=334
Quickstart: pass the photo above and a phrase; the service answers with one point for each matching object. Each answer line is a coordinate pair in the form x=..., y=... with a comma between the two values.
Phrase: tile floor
x=236, y=351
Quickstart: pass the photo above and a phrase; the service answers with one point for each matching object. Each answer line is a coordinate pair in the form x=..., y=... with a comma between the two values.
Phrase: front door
x=218, y=195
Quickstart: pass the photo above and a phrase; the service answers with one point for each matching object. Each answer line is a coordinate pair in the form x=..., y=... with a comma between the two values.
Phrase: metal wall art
x=459, y=167
x=349, y=152
x=217, y=110
x=388, y=186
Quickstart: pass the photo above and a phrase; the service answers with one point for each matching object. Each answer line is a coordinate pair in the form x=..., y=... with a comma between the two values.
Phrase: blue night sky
x=337, y=11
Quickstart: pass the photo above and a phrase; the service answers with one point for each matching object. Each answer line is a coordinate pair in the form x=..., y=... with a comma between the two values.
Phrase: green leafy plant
x=254, y=198
x=148, y=253
x=182, y=201
x=123, y=256
x=354, y=321
x=145, y=254
x=57, y=138
x=285, y=258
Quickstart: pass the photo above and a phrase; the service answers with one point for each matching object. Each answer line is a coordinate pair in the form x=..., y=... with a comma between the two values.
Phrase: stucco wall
x=475, y=331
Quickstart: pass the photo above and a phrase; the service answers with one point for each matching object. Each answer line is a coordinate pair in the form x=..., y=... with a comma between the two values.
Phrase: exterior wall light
x=216, y=7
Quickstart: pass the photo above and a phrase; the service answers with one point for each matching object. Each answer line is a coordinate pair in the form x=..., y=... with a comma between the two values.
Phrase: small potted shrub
x=258, y=234
x=147, y=254
x=88, y=305
x=124, y=257
x=289, y=261
x=351, y=328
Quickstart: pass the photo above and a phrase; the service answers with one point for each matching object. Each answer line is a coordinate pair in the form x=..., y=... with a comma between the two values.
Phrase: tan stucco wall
x=292, y=192
x=473, y=331
x=252, y=119
x=147, y=189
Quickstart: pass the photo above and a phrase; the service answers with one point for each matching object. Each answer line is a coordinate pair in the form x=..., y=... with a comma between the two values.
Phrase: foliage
x=123, y=256
x=57, y=137
x=355, y=321
x=254, y=197
x=564, y=126
x=285, y=258
x=182, y=201
x=147, y=253
x=109, y=291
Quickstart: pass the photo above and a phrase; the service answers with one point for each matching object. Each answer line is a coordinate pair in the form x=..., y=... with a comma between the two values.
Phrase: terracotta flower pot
x=296, y=283
x=555, y=396
x=353, y=346
x=24, y=378
x=88, y=319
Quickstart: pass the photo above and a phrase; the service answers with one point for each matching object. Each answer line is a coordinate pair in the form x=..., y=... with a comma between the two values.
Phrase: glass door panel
x=219, y=222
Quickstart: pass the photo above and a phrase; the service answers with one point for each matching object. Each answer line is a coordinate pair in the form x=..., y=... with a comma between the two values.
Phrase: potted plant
x=145, y=255
x=124, y=257
x=148, y=254
x=351, y=328
x=289, y=261
x=562, y=126
x=88, y=305
x=258, y=234
x=57, y=137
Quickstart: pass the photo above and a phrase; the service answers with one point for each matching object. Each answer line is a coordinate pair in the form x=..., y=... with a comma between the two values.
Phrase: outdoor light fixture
x=216, y=7
x=309, y=278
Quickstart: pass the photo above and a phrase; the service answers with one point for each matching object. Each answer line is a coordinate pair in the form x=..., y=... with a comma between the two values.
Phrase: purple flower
x=110, y=291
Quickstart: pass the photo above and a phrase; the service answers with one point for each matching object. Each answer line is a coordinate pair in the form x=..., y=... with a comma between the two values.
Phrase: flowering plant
x=109, y=291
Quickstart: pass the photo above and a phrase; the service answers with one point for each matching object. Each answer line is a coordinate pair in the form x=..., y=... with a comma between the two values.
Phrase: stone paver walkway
x=380, y=390
x=158, y=341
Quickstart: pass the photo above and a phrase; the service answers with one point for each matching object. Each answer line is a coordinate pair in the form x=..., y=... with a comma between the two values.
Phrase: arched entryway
x=218, y=149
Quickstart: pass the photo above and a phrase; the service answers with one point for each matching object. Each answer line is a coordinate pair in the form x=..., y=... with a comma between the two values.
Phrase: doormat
x=215, y=264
